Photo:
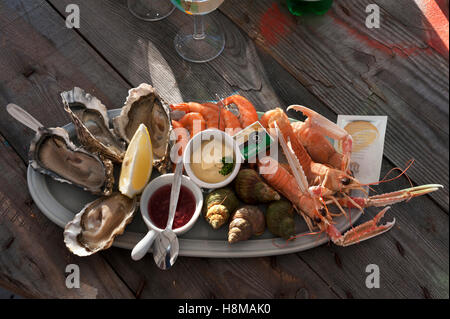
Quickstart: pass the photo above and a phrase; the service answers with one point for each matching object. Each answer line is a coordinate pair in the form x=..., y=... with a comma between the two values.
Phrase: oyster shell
x=143, y=105
x=52, y=153
x=98, y=223
x=91, y=121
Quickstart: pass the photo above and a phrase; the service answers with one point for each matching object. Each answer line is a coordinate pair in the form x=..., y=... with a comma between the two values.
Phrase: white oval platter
x=60, y=202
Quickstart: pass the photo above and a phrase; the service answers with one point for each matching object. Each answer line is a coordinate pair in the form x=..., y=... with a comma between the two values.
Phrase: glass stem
x=199, y=27
x=148, y=4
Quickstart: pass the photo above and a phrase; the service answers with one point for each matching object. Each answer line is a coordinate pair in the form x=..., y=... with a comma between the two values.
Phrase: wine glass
x=204, y=40
x=150, y=10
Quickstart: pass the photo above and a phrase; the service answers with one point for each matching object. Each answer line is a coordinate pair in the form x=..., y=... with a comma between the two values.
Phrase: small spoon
x=166, y=247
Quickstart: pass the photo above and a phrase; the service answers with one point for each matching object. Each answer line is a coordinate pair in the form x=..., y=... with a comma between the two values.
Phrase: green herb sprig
x=228, y=166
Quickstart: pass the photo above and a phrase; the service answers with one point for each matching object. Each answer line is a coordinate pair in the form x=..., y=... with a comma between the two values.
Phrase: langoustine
x=317, y=145
x=312, y=133
x=330, y=179
x=315, y=211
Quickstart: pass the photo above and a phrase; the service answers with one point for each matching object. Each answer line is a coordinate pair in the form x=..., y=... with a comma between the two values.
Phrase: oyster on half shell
x=52, y=153
x=91, y=122
x=98, y=223
x=144, y=106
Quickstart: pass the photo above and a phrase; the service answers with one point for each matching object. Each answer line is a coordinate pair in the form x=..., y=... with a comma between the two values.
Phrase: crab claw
x=361, y=232
x=390, y=198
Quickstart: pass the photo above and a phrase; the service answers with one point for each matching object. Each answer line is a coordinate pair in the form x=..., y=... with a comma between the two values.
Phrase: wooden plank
x=355, y=70
x=33, y=257
x=144, y=52
x=32, y=254
x=20, y=9
x=269, y=277
x=427, y=19
x=39, y=58
x=412, y=257
x=5, y=294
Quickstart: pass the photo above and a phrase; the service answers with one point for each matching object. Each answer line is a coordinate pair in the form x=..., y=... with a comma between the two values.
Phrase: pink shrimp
x=209, y=111
x=247, y=112
x=193, y=122
x=182, y=136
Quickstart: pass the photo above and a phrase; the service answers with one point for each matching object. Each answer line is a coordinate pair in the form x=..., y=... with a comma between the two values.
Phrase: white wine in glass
x=150, y=10
x=204, y=40
x=197, y=7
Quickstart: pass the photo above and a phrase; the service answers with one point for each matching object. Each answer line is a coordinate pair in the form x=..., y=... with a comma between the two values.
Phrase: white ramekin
x=206, y=135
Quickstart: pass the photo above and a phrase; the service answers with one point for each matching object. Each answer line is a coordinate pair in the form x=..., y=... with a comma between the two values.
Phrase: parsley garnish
x=228, y=165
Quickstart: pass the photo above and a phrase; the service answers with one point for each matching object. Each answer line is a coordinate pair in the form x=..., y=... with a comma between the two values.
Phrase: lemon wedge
x=137, y=164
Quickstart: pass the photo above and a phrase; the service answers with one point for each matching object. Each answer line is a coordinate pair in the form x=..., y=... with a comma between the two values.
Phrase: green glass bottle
x=304, y=7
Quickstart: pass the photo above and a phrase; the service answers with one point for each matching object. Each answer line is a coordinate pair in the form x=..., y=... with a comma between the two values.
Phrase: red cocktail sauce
x=158, y=207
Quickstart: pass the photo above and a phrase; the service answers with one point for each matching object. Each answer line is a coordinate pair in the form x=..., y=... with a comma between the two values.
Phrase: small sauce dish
x=210, y=146
x=152, y=188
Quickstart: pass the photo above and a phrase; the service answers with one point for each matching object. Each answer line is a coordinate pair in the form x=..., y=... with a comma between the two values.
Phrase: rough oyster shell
x=98, y=223
x=143, y=105
x=91, y=121
x=52, y=153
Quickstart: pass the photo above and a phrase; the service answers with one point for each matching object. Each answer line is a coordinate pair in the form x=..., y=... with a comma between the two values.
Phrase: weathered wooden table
x=333, y=63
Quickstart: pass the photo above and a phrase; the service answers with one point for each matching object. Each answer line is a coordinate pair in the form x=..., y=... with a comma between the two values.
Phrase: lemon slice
x=137, y=164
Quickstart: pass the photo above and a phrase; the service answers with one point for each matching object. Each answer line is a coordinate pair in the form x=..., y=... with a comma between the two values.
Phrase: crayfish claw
x=402, y=195
x=365, y=231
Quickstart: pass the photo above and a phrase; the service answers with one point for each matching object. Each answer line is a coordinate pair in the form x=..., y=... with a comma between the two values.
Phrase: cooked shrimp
x=228, y=121
x=182, y=136
x=232, y=124
x=209, y=111
x=247, y=112
x=215, y=109
x=193, y=122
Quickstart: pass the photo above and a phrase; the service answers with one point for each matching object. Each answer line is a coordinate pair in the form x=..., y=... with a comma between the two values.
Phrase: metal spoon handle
x=23, y=117
x=175, y=193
